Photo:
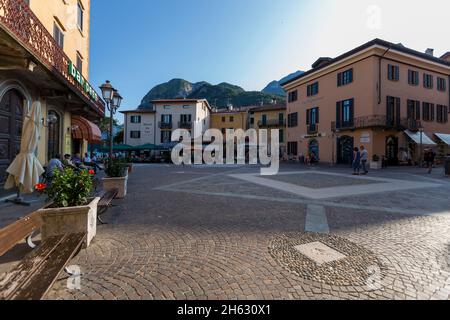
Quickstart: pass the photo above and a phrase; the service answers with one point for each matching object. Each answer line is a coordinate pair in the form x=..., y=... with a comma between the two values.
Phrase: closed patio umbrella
x=25, y=170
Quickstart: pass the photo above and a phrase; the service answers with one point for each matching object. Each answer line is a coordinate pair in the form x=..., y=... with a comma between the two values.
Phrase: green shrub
x=70, y=188
x=116, y=168
x=375, y=158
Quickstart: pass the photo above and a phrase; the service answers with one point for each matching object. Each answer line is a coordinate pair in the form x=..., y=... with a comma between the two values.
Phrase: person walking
x=356, y=162
x=364, y=159
x=429, y=158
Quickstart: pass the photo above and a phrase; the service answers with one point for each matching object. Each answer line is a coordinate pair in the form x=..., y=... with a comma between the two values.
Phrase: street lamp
x=113, y=100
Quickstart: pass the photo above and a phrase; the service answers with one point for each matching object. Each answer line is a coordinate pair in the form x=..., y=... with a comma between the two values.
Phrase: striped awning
x=84, y=129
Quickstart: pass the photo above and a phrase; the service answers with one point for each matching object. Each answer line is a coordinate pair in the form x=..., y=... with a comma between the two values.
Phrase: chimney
x=430, y=52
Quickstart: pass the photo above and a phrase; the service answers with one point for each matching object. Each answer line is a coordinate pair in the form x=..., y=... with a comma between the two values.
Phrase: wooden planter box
x=59, y=221
x=116, y=183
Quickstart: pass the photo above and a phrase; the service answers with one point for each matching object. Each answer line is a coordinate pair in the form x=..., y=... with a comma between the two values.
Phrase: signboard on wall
x=365, y=137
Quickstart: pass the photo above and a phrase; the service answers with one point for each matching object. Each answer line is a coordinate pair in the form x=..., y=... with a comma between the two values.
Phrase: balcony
x=27, y=33
x=312, y=129
x=272, y=123
x=376, y=121
x=165, y=125
x=185, y=125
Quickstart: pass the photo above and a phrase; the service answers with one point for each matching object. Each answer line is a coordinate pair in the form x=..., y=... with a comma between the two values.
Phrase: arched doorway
x=53, y=134
x=392, y=150
x=345, y=145
x=11, y=121
x=314, y=149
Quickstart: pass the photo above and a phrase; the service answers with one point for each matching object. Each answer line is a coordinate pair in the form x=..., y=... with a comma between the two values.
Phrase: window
x=252, y=121
x=186, y=118
x=281, y=136
x=231, y=119
x=264, y=119
x=312, y=116
x=345, y=113
x=413, y=77
x=79, y=63
x=393, y=109
x=428, y=111
x=293, y=96
x=135, y=119
x=58, y=35
x=292, y=148
x=135, y=134
x=442, y=114
x=293, y=120
x=166, y=118
x=428, y=81
x=393, y=73
x=441, y=84
x=166, y=136
x=54, y=135
x=80, y=16
x=313, y=89
x=223, y=119
x=413, y=110
x=345, y=78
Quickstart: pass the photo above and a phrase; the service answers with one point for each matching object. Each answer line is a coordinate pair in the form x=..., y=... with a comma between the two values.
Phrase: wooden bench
x=33, y=277
x=106, y=198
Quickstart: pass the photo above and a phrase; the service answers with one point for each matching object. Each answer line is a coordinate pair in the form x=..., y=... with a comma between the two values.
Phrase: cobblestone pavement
x=201, y=233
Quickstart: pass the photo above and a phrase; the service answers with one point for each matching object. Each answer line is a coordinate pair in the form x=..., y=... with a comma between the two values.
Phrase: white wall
x=146, y=127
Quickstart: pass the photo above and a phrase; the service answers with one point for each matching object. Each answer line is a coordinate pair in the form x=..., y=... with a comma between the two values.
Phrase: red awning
x=84, y=129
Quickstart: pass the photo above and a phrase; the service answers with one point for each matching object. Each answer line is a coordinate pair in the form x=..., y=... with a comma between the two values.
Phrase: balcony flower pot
x=116, y=178
x=79, y=219
x=71, y=208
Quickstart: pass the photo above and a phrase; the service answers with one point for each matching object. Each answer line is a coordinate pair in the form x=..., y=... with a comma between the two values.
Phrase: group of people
x=359, y=162
x=75, y=162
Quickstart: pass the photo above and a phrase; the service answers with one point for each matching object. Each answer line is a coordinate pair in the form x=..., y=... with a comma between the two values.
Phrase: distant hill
x=275, y=88
x=218, y=95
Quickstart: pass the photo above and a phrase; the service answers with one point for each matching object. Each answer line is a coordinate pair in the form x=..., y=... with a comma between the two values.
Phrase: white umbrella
x=25, y=170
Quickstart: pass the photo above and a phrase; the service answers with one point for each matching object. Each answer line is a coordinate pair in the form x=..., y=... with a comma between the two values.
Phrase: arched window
x=54, y=134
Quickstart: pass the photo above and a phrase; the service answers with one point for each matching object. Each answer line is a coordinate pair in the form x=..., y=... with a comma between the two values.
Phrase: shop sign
x=76, y=75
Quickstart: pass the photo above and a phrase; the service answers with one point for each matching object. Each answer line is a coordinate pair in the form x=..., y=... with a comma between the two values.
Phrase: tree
x=104, y=125
x=118, y=139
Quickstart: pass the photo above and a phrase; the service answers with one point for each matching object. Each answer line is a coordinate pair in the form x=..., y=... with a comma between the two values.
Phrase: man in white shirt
x=364, y=159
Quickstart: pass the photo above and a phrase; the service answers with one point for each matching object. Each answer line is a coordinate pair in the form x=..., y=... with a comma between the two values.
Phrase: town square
x=329, y=184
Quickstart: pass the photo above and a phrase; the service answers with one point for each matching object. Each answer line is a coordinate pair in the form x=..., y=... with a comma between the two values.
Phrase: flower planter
x=59, y=221
x=116, y=183
x=375, y=165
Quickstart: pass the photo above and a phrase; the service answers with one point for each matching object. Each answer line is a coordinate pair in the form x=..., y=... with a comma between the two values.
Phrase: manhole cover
x=326, y=259
x=319, y=253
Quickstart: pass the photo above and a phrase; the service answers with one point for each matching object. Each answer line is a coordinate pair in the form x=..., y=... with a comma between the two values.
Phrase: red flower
x=91, y=172
x=40, y=186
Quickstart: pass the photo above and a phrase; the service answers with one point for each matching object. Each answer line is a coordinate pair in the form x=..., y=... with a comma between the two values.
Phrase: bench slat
x=19, y=230
x=108, y=197
x=14, y=279
x=40, y=283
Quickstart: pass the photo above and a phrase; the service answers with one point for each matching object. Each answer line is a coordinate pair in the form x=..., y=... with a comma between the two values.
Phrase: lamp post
x=113, y=100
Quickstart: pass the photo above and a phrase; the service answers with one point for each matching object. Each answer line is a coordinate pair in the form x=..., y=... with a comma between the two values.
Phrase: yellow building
x=45, y=58
x=230, y=119
x=270, y=117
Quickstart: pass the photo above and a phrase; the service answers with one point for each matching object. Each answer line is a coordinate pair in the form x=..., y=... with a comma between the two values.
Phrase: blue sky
x=138, y=44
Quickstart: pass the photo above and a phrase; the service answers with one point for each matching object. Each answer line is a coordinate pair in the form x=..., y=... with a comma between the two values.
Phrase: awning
x=443, y=137
x=417, y=137
x=84, y=129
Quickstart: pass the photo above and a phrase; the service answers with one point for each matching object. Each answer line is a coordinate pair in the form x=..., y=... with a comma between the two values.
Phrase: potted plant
x=375, y=164
x=116, y=177
x=71, y=209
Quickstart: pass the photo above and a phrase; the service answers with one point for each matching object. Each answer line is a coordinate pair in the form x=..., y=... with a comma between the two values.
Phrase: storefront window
x=54, y=134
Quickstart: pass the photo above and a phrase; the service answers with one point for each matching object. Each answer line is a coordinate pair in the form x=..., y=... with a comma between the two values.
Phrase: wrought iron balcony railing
x=165, y=125
x=17, y=19
x=312, y=128
x=185, y=125
x=374, y=121
x=272, y=123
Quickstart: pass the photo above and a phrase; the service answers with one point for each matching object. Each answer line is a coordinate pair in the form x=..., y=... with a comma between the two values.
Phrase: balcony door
x=393, y=110
x=11, y=121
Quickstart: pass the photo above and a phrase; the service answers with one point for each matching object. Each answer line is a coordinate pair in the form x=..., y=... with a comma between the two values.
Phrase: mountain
x=275, y=88
x=218, y=95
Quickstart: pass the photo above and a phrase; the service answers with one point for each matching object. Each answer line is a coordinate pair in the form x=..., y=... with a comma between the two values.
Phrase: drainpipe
x=379, y=74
